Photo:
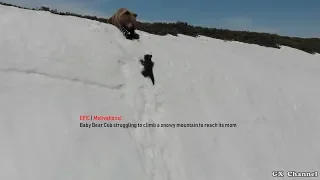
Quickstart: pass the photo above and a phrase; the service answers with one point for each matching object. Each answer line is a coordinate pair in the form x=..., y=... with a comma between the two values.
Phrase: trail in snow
x=141, y=95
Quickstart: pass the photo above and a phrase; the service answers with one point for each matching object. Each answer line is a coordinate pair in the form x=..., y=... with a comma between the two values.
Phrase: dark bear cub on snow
x=147, y=67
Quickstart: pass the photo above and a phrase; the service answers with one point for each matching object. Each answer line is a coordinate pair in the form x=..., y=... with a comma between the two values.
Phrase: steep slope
x=53, y=69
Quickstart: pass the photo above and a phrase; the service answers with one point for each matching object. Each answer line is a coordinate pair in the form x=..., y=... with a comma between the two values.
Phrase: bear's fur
x=125, y=20
x=147, y=67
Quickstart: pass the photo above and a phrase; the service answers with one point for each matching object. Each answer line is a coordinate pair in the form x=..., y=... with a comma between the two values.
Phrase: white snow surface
x=53, y=69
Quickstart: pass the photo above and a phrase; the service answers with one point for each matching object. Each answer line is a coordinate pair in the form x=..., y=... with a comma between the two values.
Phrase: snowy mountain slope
x=53, y=69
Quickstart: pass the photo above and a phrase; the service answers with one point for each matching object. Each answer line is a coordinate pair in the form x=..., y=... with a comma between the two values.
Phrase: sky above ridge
x=285, y=17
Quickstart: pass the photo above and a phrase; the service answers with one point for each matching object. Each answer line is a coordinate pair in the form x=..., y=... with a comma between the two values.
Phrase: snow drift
x=56, y=70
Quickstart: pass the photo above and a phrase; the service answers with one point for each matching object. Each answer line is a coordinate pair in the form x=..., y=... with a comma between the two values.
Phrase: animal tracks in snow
x=141, y=96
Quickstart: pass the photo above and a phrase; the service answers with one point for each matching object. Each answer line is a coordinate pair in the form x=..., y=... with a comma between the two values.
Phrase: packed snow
x=55, y=70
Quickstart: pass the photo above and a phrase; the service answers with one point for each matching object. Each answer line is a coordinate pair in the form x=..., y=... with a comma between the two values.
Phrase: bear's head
x=128, y=18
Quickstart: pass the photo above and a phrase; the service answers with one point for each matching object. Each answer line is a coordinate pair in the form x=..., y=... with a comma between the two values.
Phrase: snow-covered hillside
x=56, y=69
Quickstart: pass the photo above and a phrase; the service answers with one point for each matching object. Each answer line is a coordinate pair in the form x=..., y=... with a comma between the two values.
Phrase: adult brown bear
x=126, y=21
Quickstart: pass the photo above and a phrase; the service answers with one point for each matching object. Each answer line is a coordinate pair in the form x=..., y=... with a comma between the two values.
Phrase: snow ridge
x=83, y=81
